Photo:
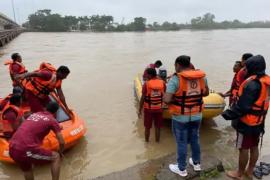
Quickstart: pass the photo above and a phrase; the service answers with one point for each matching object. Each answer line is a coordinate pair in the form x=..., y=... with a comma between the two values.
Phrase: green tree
x=139, y=24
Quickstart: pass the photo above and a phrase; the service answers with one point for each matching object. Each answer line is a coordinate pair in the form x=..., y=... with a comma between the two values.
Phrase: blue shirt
x=172, y=87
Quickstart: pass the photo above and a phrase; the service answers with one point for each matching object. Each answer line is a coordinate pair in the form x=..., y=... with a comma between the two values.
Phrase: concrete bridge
x=8, y=29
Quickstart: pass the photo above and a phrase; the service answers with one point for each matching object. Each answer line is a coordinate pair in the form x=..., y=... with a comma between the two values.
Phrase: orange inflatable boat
x=73, y=128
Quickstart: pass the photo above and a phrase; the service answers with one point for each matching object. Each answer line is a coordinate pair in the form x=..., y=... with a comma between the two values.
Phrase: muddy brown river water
x=100, y=90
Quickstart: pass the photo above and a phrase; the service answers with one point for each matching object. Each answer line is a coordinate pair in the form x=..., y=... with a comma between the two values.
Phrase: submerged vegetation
x=45, y=20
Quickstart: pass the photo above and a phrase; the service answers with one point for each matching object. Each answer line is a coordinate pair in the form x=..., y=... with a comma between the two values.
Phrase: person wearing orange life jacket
x=184, y=95
x=248, y=115
x=41, y=83
x=4, y=101
x=232, y=93
x=12, y=116
x=151, y=102
x=16, y=67
x=241, y=76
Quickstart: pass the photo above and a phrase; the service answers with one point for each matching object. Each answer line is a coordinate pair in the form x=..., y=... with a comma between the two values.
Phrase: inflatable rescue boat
x=73, y=129
x=214, y=104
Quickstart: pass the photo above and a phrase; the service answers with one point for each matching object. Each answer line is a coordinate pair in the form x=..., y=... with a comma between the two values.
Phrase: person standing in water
x=151, y=102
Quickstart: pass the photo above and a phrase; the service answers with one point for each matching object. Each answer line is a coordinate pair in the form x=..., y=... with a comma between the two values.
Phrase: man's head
x=62, y=72
x=52, y=107
x=17, y=90
x=245, y=57
x=151, y=73
x=16, y=57
x=237, y=66
x=158, y=63
x=256, y=65
x=16, y=99
x=182, y=62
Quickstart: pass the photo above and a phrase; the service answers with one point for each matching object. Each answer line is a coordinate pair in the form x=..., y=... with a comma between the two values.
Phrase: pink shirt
x=33, y=130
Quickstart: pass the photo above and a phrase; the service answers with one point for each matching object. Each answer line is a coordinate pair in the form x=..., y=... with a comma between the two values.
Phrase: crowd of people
x=183, y=93
x=24, y=129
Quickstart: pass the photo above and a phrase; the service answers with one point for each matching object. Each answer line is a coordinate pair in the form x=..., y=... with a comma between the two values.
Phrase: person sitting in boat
x=234, y=87
x=41, y=83
x=155, y=66
x=16, y=90
x=16, y=67
x=151, y=101
x=25, y=145
x=12, y=116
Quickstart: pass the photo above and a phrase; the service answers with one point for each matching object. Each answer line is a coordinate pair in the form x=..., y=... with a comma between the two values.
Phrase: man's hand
x=61, y=143
x=221, y=94
x=139, y=113
x=19, y=77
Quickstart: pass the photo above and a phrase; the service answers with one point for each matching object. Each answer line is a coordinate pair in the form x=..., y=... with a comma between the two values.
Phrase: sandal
x=257, y=172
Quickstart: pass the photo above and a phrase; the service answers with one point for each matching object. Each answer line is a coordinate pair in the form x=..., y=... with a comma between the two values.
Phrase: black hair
x=14, y=56
x=151, y=71
x=15, y=99
x=158, y=63
x=52, y=107
x=246, y=56
x=63, y=70
x=17, y=90
x=183, y=60
x=237, y=62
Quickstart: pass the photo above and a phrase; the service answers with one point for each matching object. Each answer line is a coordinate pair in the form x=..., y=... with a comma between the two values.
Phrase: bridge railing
x=4, y=33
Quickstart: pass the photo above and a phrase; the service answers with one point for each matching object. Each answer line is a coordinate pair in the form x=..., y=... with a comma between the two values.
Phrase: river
x=100, y=89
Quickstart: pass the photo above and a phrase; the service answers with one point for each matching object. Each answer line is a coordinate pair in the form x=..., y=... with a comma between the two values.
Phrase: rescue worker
x=232, y=93
x=151, y=101
x=12, y=116
x=16, y=67
x=25, y=145
x=41, y=83
x=184, y=95
x=155, y=66
x=16, y=90
x=248, y=115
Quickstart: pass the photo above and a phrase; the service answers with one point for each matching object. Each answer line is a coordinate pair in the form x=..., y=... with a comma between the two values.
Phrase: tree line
x=46, y=21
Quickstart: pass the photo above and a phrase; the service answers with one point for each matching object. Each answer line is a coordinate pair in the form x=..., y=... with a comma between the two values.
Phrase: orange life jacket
x=10, y=63
x=259, y=109
x=188, y=100
x=6, y=126
x=4, y=102
x=154, y=94
x=40, y=87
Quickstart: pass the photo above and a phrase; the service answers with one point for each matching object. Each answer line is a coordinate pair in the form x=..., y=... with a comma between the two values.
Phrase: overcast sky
x=180, y=11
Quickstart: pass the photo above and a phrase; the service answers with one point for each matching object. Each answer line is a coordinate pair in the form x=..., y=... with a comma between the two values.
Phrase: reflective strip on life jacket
x=6, y=126
x=257, y=114
x=154, y=94
x=188, y=100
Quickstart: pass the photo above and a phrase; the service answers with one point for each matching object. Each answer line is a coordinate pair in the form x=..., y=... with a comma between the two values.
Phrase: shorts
x=150, y=116
x=247, y=141
x=36, y=104
x=26, y=158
